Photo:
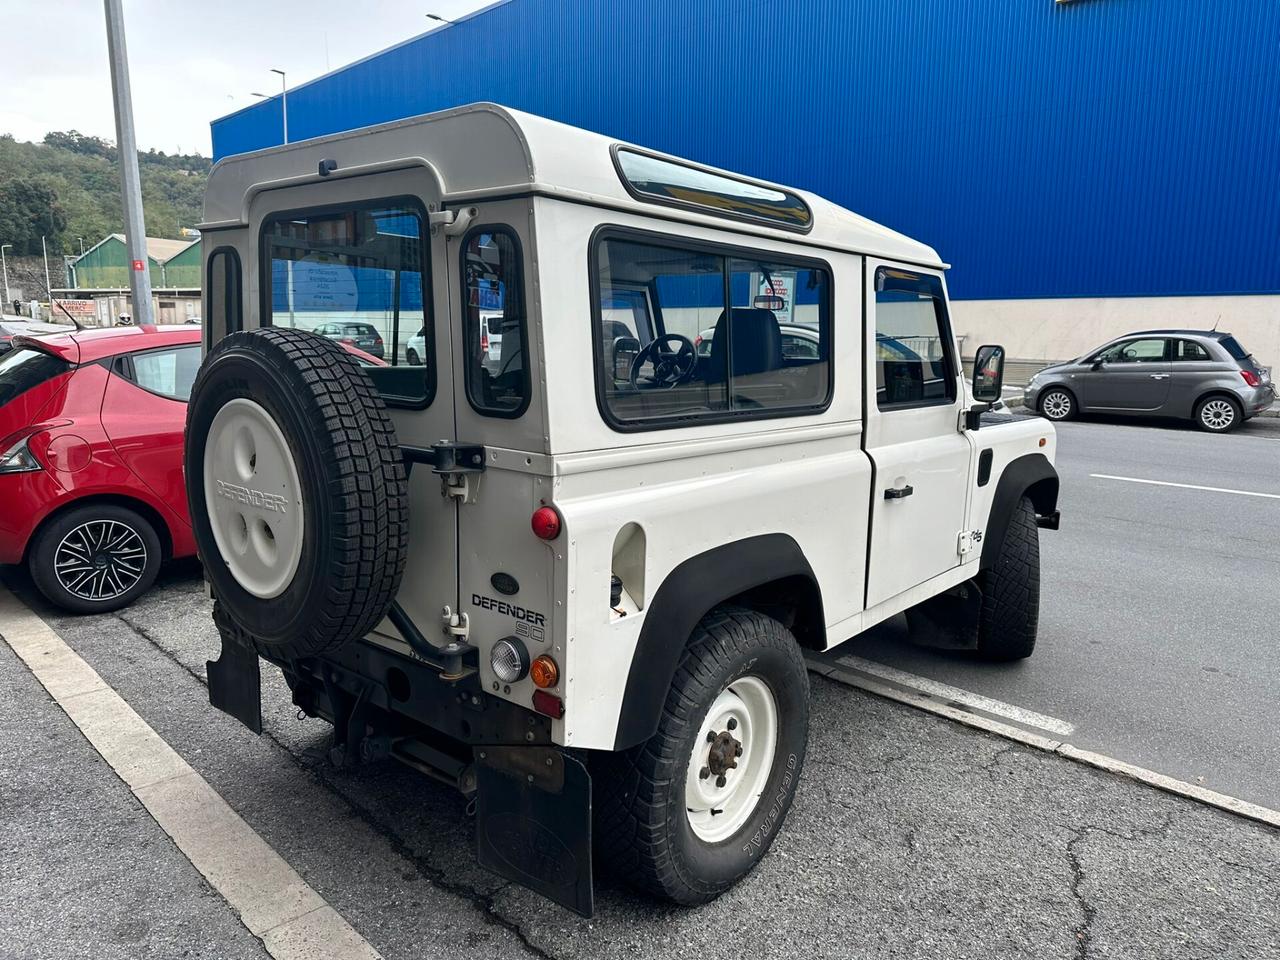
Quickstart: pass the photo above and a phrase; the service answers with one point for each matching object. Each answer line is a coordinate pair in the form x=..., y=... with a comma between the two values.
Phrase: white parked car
x=579, y=584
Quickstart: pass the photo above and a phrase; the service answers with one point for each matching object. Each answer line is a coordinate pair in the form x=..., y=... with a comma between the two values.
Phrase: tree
x=30, y=210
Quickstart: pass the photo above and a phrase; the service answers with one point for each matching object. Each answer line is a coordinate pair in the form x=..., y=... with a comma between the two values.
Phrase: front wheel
x=1010, y=612
x=1218, y=414
x=1057, y=405
x=687, y=814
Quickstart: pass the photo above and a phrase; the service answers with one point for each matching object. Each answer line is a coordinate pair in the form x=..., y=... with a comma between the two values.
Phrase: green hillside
x=69, y=187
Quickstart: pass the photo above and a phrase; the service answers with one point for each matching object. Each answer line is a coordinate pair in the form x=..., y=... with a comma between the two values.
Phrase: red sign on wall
x=139, y=265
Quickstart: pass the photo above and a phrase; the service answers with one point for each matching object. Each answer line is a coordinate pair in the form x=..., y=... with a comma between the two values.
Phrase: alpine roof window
x=660, y=180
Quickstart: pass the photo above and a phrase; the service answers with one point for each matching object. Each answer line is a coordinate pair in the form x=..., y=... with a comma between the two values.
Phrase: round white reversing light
x=509, y=660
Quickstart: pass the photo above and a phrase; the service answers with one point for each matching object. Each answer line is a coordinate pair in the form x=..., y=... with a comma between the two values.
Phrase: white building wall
x=1053, y=330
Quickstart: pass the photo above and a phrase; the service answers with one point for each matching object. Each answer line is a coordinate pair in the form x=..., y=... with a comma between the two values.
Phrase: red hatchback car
x=91, y=491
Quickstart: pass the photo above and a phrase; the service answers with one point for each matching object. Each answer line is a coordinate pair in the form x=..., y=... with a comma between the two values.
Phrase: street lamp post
x=130, y=180
x=4, y=265
x=436, y=16
x=284, y=102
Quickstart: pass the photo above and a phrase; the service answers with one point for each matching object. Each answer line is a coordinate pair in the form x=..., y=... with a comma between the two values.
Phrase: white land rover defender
x=573, y=569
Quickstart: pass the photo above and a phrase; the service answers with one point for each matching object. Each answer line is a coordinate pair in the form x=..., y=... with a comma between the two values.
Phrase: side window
x=169, y=373
x=669, y=350
x=914, y=363
x=358, y=274
x=223, y=305
x=494, y=323
x=1189, y=350
x=773, y=303
x=1136, y=351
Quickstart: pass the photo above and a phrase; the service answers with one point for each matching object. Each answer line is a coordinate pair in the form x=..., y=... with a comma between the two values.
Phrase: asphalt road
x=911, y=837
x=1160, y=606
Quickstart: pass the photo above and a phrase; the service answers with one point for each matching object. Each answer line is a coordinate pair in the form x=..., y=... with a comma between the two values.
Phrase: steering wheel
x=670, y=368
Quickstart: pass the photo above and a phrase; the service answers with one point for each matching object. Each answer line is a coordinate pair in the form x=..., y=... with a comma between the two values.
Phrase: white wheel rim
x=1217, y=414
x=100, y=560
x=1057, y=405
x=718, y=801
x=253, y=498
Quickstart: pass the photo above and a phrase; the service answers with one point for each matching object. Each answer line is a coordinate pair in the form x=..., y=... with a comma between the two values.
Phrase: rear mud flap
x=235, y=684
x=533, y=822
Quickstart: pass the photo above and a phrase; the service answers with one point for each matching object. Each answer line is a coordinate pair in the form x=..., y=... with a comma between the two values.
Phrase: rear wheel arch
x=145, y=510
x=1032, y=476
x=1210, y=394
x=767, y=573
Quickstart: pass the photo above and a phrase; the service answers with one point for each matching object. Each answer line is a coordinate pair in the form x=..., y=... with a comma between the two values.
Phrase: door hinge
x=967, y=540
x=457, y=626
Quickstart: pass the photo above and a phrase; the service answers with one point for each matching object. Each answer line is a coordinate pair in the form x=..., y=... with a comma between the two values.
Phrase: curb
x=939, y=708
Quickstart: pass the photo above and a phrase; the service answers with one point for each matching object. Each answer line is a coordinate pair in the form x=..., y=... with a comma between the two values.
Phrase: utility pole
x=48, y=287
x=4, y=265
x=130, y=179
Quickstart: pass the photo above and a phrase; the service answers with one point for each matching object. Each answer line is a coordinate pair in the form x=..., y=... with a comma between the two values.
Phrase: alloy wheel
x=1218, y=415
x=1056, y=405
x=100, y=560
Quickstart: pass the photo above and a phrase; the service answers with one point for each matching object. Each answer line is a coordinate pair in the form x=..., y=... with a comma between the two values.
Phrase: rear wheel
x=687, y=814
x=1218, y=414
x=1057, y=404
x=1010, y=612
x=95, y=558
x=411, y=357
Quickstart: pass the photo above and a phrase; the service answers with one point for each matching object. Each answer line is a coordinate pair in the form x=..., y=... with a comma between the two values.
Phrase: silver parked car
x=1198, y=375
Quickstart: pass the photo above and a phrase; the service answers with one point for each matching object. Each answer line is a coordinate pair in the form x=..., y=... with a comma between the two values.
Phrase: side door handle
x=1159, y=376
x=899, y=493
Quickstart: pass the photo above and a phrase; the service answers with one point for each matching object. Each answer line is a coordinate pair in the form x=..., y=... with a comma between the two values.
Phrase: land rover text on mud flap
x=573, y=570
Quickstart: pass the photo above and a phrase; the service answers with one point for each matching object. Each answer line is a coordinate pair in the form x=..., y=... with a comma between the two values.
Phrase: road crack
x=1083, y=932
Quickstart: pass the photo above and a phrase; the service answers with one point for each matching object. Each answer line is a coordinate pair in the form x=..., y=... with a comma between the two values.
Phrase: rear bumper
x=25, y=500
x=1258, y=399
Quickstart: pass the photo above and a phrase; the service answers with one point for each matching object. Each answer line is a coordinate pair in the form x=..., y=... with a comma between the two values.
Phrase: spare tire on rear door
x=297, y=490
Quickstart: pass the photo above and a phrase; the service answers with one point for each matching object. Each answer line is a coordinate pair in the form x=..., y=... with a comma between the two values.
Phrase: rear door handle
x=899, y=493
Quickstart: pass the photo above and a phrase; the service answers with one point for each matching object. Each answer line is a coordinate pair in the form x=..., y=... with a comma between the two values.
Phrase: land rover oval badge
x=505, y=583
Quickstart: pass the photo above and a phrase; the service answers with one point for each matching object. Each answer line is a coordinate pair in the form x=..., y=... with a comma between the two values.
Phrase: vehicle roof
x=483, y=149
x=1210, y=334
x=86, y=346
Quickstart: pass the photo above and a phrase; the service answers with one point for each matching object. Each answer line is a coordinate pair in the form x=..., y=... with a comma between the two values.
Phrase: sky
x=190, y=62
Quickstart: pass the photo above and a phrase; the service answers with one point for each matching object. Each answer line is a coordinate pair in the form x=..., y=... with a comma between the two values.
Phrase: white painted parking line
x=1100, y=761
x=1187, y=486
x=966, y=698
x=273, y=901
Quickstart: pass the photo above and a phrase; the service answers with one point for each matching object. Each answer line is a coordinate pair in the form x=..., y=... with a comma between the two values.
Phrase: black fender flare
x=689, y=591
x=1030, y=475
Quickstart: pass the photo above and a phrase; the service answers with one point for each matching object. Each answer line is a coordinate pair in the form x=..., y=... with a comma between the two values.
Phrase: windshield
x=26, y=368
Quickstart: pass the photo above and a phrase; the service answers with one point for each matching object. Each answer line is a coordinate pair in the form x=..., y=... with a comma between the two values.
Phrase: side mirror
x=988, y=373
x=1097, y=364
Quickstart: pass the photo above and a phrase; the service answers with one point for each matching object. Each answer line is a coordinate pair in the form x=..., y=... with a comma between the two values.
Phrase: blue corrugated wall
x=1088, y=148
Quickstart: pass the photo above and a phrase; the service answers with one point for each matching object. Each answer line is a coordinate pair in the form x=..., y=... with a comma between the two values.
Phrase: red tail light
x=1250, y=377
x=484, y=341
x=545, y=523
